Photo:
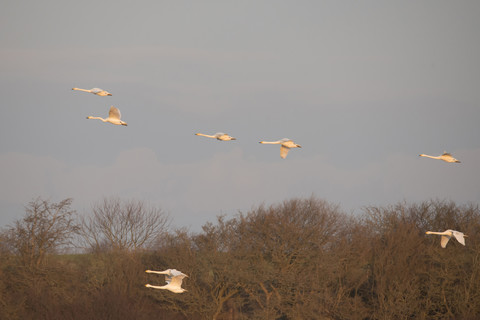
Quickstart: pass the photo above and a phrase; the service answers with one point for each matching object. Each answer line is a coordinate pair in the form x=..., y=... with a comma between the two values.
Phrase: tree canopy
x=299, y=259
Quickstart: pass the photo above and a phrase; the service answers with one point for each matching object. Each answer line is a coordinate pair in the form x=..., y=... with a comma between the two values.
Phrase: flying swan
x=114, y=116
x=173, y=278
x=219, y=136
x=97, y=91
x=447, y=234
x=285, y=146
x=447, y=157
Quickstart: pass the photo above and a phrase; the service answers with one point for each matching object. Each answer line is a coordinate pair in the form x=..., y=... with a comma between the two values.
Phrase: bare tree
x=285, y=248
x=116, y=225
x=45, y=228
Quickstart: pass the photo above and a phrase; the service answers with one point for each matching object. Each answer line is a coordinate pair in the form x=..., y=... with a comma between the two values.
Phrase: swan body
x=285, y=146
x=447, y=157
x=447, y=234
x=97, y=91
x=219, y=136
x=114, y=116
x=173, y=278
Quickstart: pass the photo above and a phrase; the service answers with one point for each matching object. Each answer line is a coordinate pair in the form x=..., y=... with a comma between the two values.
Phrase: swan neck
x=152, y=271
x=427, y=156
x=78, y=89
x=205, y=135
x=155, y=287
x=98, y=118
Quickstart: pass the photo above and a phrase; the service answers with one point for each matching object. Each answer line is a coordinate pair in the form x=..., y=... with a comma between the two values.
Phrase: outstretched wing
x=459, y=236
x=171, y=274
x=114, y=113
x=174, y=272
x=444, y=241
x=284, y=152
x=177, y=280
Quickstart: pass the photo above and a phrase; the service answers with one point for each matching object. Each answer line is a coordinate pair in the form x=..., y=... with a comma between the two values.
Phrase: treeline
x=300, y=259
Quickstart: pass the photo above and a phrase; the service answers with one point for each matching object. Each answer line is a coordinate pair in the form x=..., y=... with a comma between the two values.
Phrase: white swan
x=285, y=146
x=114, y=116
x=447, y=234
x=447, y=157
x=97, y=91
x=219, y=136
x=173, y=278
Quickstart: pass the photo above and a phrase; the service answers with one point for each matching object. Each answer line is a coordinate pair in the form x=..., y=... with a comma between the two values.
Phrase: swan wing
x=174, y=272
x=225, y=137
x=114, y=113
x=221, y=136
x=459, y=236
x=284, y=152
x=444, y=241
x=289, y=143
x=177, y=281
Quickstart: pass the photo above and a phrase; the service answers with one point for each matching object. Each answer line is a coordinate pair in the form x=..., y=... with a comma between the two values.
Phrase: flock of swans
x=114, y=117
x=285, y=143
x=173, y=277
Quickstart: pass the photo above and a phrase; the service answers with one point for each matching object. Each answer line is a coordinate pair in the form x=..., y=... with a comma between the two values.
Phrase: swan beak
x=109, y=94
x=299, y=146
x=236, y=139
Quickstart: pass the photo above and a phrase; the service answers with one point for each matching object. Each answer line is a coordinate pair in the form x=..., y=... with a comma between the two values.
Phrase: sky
x=363, y=86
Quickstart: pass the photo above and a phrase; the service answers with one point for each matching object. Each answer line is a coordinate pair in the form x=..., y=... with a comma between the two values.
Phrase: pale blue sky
x=363, y=86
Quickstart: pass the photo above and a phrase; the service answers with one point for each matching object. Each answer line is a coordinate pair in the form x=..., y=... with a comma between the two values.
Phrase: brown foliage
x=301, y=259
